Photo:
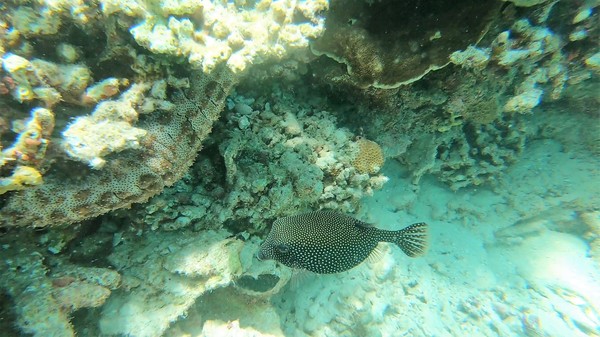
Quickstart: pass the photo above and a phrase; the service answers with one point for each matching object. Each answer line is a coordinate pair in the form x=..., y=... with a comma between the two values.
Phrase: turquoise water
x=148, y=146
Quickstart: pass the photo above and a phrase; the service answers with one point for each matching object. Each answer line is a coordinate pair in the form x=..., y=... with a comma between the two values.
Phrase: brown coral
x=369, y=158
x=385, y=44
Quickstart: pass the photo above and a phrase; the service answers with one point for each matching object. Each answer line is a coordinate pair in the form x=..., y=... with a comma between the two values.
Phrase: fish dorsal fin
x=362, y=224
x=376, y=254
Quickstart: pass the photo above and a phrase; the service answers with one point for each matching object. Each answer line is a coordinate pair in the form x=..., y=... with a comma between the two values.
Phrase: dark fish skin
x=328, y=242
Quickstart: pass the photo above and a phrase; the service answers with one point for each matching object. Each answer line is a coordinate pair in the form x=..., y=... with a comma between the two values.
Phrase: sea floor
x=519, y=257
x=515, y=259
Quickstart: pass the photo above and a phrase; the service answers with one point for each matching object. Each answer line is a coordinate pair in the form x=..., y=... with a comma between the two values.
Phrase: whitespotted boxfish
x=328, y=242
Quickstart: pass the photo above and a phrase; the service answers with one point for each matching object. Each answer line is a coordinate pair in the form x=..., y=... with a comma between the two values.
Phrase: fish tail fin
x=413, y=240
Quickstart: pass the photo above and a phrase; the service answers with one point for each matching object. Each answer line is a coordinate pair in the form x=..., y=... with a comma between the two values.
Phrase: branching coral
x=544, y=55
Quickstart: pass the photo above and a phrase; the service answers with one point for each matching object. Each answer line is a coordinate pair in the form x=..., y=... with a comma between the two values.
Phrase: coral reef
x=454, y=128
x=163, y=275
x=208, y=33
x=219, y=38
x=169, y=147
x=385, y=44
x=271, y=156
x=45, y=81
x=106, y=104
x=466, y=123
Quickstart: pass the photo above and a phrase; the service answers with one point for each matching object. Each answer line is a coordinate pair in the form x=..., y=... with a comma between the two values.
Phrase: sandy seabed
x=512, y=260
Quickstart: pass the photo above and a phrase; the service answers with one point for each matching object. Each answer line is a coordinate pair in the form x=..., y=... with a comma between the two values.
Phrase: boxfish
x=327, y=242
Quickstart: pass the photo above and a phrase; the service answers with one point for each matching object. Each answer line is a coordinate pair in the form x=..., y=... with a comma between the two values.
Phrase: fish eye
x=283, y=248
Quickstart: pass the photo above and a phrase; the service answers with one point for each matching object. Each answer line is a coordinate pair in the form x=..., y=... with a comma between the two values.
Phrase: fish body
x=328, y=242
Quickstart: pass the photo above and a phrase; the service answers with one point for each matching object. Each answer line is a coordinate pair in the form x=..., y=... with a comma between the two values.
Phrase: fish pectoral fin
x=414, y=239
x=376, y=254
x=300, y=276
